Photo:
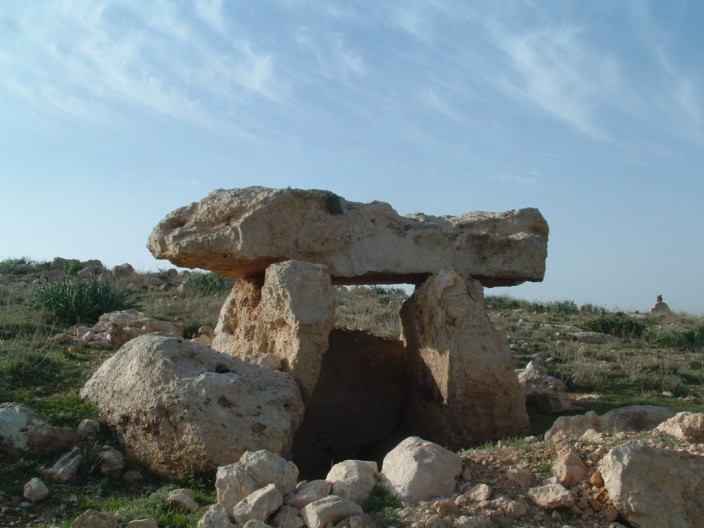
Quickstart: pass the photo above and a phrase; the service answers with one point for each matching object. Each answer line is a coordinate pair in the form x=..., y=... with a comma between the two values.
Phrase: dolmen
x=449, y=378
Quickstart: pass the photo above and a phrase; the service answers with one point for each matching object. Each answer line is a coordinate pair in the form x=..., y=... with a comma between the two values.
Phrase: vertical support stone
x=290, y=314
x=462, y=387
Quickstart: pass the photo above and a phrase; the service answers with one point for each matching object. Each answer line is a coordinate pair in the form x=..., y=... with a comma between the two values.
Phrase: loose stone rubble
x=640, y=479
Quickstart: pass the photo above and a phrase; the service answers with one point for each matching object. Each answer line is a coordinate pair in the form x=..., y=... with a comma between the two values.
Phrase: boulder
x=631, y=418
x=463, y=388
x=684, y=426
x=541, y=390
x=253, y=471
x=289, y=315
x=653, y=487
x=230, y=232
x=418, y=470
x=182, y=407
x=23, y=432
x=353, y=479
x=331, y=509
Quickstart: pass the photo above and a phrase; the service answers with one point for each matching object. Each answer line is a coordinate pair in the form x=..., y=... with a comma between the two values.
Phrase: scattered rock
x=215, y=517
x=182, y=498
x=418, y=470
x=95, y=519
x=551, y=496
x=88, y=429
x=478, y=493
x=684, y=426
x=568, y=466
x=67, y=466
x=288, y=517
x=632, y=418
x=111, y=463
x=353, y=479
x=541, y=390
x=35, y=490
x=253, y=471
x=310, y=492
x=23, y=432
x=331, y=509
x=258, y=505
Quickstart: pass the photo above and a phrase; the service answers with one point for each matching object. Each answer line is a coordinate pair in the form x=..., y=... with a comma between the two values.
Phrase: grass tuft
x=81, y=301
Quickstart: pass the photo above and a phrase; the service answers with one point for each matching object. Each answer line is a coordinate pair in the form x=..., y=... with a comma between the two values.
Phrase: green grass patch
x=380, y=499
x=73, y=301
x=618, y=325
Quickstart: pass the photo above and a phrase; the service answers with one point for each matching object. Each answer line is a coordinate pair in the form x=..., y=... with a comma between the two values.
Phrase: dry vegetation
x=656, y=361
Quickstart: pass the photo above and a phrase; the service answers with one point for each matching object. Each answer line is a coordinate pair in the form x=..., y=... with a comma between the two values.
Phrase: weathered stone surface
x=182, y=498
x=215, y=517
x=22, y=432
x=331, y=509
x=310, y=492
x=290, y=316
x=111, y=463
x=289, y=517
x=253, y=471
x=258, y=505
x=95, y=519
x=66, y=467
x=568, y=466
x=684, y=426
x=463, y=389
x=148, y=522
x=541, y=390
x=35, y=490
x=551, y=496
x=357, y=403
x=180, y=406
x=479, y=492
x=654, y=487
x=230, y=232
x=418, y=470
x=353, y=479
x=631, y=418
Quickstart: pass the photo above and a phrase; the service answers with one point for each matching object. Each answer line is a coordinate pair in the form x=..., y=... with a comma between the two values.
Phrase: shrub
x=690, y=339
x=210, y=283
x=618, y=324
x=562, y=307
x=16, y=266
x=81, y=301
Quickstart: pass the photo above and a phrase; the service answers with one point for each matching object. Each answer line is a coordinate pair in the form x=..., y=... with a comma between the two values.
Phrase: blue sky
x=114, y=113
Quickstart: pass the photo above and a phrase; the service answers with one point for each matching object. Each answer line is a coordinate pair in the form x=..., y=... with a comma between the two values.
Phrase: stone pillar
x=462, y=387
x=289, y=314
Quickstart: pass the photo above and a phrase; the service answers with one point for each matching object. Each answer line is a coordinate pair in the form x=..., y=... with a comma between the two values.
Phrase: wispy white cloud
x=515, y=179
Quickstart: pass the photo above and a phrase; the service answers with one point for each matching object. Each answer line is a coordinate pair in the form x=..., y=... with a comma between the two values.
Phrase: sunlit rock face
x=240, y=232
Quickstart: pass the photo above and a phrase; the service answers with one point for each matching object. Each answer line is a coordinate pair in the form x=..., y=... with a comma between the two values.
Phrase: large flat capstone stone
x=240, y=232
